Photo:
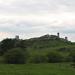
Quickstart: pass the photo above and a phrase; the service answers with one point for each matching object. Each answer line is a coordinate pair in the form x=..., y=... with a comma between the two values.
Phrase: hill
x=38, y=48
x=44, y=43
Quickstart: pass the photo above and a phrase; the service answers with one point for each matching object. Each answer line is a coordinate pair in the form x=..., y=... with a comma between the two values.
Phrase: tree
x=54, y=57
x=16, y=56
x=22, y=44
x=6, y=44
x=39, y=59
x=72, y=56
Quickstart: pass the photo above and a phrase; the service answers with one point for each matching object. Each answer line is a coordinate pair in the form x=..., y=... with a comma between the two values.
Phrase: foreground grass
x=37, y=69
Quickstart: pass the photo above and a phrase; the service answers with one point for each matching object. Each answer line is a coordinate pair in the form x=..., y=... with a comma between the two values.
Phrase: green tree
x=22, y=44
x=39, y=59
x=6, y=44
x=72, y=56
x=16, y=56
x=54, y=57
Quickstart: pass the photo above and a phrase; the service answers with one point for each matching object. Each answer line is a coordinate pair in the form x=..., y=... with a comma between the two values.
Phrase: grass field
x=37, y=69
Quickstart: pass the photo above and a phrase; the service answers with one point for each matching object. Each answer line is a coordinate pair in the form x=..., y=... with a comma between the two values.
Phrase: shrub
x=64, y=49
x=39, y=59
x=54, y=57
x=72, y=57
x=6, y=44
x=15, y=56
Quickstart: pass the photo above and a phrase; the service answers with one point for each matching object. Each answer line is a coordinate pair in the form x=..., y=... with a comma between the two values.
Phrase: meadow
x=37, y=69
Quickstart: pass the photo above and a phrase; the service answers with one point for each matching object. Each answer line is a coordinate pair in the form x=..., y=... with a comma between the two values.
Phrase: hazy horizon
x=33, y=18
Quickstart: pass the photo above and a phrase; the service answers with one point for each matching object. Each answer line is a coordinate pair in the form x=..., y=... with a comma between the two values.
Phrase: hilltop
x=47, y=48
x=43, y=42
x=48, y=41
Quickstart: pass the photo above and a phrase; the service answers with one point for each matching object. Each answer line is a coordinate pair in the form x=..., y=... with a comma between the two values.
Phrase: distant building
x=66, y=38
x=58, y=34
x=47, y=36
x=17, y=37
x=53, y=37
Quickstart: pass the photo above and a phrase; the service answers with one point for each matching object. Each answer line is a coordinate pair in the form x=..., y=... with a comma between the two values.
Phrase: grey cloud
x=46, y=5
x=27, y=7
x=39, y=6
x=34, y=27
x=19, y=27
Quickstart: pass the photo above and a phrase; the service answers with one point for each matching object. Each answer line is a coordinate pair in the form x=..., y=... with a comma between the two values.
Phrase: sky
x=33, y=18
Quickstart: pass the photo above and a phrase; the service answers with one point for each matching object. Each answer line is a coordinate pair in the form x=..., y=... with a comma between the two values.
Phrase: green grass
x=37, y=69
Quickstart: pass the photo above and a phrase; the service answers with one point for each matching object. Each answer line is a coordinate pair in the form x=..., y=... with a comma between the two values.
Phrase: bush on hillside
x=54, y=57
x=16, y=56
x=65, y=49
x=72, y=57
x=8, y=44
x=39, y=59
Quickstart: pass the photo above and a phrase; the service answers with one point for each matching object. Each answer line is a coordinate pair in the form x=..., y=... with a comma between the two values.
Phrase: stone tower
x=58, y=34
x=17, y=37
x=66, y=38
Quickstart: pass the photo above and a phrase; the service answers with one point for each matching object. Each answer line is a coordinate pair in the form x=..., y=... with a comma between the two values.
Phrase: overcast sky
x=33, y=18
